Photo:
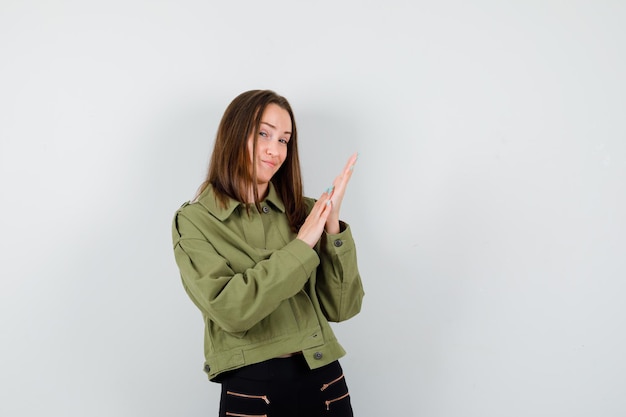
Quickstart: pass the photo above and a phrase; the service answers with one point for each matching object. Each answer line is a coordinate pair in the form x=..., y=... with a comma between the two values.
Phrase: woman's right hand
x=313, y=226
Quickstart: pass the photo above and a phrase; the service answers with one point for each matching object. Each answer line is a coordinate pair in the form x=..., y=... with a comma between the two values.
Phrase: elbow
x=232, y=321
x=237, y=328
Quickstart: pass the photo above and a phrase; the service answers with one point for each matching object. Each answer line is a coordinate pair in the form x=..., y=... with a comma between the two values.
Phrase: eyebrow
x=274, y=127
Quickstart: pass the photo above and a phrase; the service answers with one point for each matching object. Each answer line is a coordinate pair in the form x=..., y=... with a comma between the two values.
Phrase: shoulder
x=208, y=204
x=188, y=217
x=190, y=210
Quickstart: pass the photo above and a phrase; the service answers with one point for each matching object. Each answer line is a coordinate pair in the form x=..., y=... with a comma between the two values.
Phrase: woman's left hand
x=338, y=190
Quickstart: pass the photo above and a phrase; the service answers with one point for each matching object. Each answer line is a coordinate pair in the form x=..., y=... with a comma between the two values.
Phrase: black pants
x=285, y=387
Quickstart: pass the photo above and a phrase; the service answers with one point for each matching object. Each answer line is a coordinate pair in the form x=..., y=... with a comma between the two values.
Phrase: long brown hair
x=231, y=173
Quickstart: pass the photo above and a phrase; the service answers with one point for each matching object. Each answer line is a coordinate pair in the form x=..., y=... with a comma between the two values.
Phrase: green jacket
x=262, y=292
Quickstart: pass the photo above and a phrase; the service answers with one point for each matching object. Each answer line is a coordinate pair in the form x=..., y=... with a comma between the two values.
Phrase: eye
x=263, y=133
x=283, y=141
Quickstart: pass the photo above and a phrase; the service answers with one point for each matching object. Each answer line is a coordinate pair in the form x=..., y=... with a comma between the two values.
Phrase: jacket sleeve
x=339, y=285
x=238, y=301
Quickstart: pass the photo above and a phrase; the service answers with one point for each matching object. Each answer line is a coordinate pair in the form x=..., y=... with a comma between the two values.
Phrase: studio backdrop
x=487, y=204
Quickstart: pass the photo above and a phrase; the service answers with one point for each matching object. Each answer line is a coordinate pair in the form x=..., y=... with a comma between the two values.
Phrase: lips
x=269, y=164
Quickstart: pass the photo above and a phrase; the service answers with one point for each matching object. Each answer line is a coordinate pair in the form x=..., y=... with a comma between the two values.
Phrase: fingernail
x=328, y=203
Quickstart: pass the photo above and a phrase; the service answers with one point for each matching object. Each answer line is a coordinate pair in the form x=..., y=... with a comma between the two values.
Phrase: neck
x=262, y=189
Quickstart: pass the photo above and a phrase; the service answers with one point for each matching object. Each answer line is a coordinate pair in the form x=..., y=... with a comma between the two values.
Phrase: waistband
x=282, y=368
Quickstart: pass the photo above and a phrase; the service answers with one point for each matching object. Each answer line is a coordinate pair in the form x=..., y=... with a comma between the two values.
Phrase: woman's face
x=274, y=134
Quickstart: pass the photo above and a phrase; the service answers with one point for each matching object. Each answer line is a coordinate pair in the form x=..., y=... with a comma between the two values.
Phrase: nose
x=271, y=148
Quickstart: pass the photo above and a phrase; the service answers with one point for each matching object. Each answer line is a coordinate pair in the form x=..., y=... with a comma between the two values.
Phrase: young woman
x=268, y=268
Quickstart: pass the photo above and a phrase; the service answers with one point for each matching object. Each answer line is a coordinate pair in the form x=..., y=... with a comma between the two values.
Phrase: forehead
x=277, y=117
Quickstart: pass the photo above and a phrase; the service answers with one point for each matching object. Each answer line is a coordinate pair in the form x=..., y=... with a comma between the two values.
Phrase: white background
x=488, y=201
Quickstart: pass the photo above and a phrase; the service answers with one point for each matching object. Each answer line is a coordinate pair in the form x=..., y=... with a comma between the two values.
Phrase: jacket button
x=207, y=368
x=338, y=243
x=265, y=209
x=318, y=355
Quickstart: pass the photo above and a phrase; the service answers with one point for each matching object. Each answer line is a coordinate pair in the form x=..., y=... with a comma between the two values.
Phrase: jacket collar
x=209, y=200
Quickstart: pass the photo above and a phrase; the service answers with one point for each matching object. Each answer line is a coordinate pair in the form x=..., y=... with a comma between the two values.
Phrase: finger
x=351, y=163
x=328, y=207
x=341, y=183
x=348, y=169
x=317, y=210
x=320, y=204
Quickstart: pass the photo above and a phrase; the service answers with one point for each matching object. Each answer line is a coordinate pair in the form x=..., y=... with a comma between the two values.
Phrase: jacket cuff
x=340, y=242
